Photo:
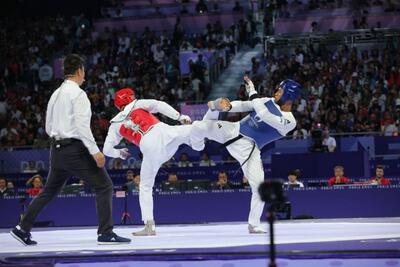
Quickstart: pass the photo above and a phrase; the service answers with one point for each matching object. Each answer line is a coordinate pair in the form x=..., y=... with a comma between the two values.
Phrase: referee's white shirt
x=68, y=115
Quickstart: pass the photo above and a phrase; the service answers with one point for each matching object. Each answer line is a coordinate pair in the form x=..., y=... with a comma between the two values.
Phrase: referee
x=73, y=152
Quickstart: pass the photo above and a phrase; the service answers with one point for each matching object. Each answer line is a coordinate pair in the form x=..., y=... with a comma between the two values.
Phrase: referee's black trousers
x=74, y=159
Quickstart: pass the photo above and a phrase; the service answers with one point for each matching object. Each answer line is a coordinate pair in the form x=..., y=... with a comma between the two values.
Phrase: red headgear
x=123, y=97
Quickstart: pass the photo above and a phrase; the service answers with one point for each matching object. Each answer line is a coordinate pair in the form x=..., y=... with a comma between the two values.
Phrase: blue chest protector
x=262, y=133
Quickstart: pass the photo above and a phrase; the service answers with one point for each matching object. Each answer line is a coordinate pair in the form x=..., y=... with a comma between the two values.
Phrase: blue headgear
x=291, y=90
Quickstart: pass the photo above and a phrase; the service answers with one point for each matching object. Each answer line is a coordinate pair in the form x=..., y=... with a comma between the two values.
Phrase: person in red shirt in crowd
x=394, y=78
x=387, y=119
x=339, y=177
x=379, y=179
x=36, y=184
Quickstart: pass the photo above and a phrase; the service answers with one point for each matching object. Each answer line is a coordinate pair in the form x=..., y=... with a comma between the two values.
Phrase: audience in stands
x=300, y=132
x=222, y=182
x=205, y=160
x=339, y=96
x=314, y=26
x=114, y=59
x=344, y=90
x=35, y=184
x=338, y=177
x=133, y=181
x=11, y=187
x=329, y=142
x=5, y=191
x=117, y=164
x=379, y=178
x=76, y=188
x=245, y=183
x=184, y=161
x=361, y=6
x=172, y=184
x=172, y=177
x=84, y=186
x=292, y=179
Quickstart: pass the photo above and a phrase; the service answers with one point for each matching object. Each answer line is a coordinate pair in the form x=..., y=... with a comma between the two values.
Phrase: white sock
x=19, y=228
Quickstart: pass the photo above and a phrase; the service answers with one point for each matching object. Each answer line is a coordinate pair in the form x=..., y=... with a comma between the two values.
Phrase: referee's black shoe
x=112, y=239
x=23, y=237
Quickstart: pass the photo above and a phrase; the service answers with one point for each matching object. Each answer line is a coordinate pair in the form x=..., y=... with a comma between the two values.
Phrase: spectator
x=117, y=164
x=186, y=45
x=314, y=26
x=339, y=177
x=85, y=188
x=76, y=188
x=222, y=182
x=36, y=185
x=8, y=131
x=237, y=7
x=129, y=176
x=206, y=161
x=241, y=93
x=172, y=177
x=201, y=7
x=245, y=183
x=196, y=83
x=388, y=125
x=329, y=142
x=199, y=68
x=299, y=58
x=4, y=190
x=292, y=179
x=171, y=184
x=158, y=55
x=41, y=141
x=390, y=129
x=379, y=176
x=133, y=181
x=300, y=132
x=11, y=187
x=184, y=161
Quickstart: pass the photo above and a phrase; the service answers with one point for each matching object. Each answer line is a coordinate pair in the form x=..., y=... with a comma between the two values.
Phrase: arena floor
x=350, y=241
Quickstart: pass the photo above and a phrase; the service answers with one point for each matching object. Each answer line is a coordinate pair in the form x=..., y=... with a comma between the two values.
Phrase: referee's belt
x=63, y=142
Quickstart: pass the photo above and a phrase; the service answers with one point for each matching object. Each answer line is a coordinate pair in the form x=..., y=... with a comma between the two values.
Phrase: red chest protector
x=137, y=124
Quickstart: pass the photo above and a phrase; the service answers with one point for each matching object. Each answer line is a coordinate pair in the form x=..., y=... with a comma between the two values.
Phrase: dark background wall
x=35, y=8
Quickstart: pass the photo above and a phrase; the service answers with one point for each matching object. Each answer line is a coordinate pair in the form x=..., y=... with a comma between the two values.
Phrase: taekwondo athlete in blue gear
x=270, y=119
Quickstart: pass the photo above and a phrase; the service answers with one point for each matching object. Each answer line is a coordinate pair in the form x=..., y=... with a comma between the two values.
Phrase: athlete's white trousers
x=157, y=147
x=223, y=131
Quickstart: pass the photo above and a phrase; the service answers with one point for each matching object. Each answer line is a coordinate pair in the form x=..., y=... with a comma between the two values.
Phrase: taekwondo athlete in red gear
x=157, y=141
